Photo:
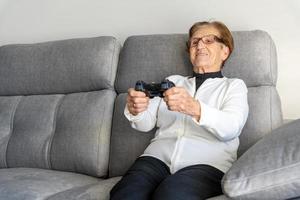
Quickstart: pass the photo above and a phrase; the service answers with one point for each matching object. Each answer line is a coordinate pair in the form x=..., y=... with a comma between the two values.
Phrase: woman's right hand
x=137, y=101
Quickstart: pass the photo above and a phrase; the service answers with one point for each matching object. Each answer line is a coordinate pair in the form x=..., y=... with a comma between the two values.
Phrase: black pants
x=150, y=178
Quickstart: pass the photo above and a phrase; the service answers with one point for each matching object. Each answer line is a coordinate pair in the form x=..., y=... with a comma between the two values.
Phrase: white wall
x=27, y=21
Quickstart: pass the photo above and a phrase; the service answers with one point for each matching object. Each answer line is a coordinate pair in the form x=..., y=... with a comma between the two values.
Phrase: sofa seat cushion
x=99, y=191
x=220, y=197
x=33, y=183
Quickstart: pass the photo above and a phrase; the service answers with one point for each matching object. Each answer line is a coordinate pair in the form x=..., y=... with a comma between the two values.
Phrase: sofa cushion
x=65, y=66
x=220, y=197
x=64, y=132
x=270, y=169
x=154, y=57
x=264, y=115
x=126, y=144
x=30, y=184
x=56, y=101
x=94, y=191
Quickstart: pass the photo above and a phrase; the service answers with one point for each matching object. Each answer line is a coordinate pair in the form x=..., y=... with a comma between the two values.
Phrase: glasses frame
x=215, y=39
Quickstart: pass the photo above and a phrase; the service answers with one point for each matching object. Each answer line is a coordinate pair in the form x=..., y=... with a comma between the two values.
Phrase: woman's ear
x=225, y=52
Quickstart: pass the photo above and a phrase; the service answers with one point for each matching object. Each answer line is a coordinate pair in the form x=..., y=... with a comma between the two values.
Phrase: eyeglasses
x=207, y=39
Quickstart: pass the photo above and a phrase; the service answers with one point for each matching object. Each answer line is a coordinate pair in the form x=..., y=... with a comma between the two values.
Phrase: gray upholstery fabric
x=8, y=107
x=32, y=128
x=127, y=144
x=95, y=191
x=82, y=134
x=58, y=108
x=151, y=58
x=254, y=59
x=221, y=197
x=70, y=132
x=29, y=184
x=56, y=104
x=154, y=57
x=264, y=115
x=270, y=169
x=65, y=66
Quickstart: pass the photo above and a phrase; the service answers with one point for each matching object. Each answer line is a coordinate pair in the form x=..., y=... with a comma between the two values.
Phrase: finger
x=173, y=103
x=131, y=110
x=130, y=89
x=177, y=108
x=173, y=97
x=177, y=103
x=140, y=105
x=136, y=111
x=173, y=108
x=139, y=110
x=131, y=100
x=133, y=93
x=170, y=91
x=173, y=90
x=140, y=100
x=130, y=92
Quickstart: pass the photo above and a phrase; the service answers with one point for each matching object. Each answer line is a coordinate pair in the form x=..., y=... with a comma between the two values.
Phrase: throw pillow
x=270, y=169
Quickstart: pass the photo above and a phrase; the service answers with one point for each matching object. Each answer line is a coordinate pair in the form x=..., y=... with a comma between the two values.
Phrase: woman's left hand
x=178, y=99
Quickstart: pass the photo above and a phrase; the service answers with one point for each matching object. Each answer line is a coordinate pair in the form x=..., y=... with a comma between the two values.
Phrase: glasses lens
x=208, y=39
x=194, y=42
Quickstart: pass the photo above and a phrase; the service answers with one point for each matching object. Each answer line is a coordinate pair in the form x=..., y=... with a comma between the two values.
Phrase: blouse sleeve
x=227, y=122
x=144, y=121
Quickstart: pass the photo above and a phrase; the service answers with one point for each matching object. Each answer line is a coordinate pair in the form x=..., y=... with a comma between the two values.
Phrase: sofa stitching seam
x=53, y=131
x=120, y=58
x=112, y=63
x=98, y=149
x=12, y=119
x=271, y=107
x=270, y=60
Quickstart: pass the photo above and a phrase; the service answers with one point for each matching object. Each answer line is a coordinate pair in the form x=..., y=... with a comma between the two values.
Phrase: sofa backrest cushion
x=58, y=67
x=153, y=57
x=60, y=118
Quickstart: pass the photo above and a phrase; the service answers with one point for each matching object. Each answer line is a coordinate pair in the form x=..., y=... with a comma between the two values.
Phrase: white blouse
x=181, y=141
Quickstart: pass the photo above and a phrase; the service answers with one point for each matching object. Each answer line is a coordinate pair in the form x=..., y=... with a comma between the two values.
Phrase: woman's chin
x=202, y=65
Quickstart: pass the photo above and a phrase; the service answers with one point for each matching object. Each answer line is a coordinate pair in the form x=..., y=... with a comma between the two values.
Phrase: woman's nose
x=200, y=44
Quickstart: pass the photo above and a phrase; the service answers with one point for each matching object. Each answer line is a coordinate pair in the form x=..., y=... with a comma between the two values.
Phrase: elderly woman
x=198, y=122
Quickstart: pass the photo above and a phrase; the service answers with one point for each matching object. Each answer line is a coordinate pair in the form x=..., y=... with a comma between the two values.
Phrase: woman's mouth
x=202, y=54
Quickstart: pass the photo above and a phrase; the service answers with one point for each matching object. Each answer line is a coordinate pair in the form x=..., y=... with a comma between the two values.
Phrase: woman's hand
x=137, y=101
x=178, y=99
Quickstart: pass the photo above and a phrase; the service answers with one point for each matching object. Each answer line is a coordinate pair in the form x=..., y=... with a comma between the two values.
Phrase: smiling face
x=207, y=56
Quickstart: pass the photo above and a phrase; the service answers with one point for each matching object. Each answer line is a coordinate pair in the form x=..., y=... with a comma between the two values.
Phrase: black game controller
x=154, y=89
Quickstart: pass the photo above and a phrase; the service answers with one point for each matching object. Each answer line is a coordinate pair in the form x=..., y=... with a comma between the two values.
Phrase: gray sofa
x=63, y=134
